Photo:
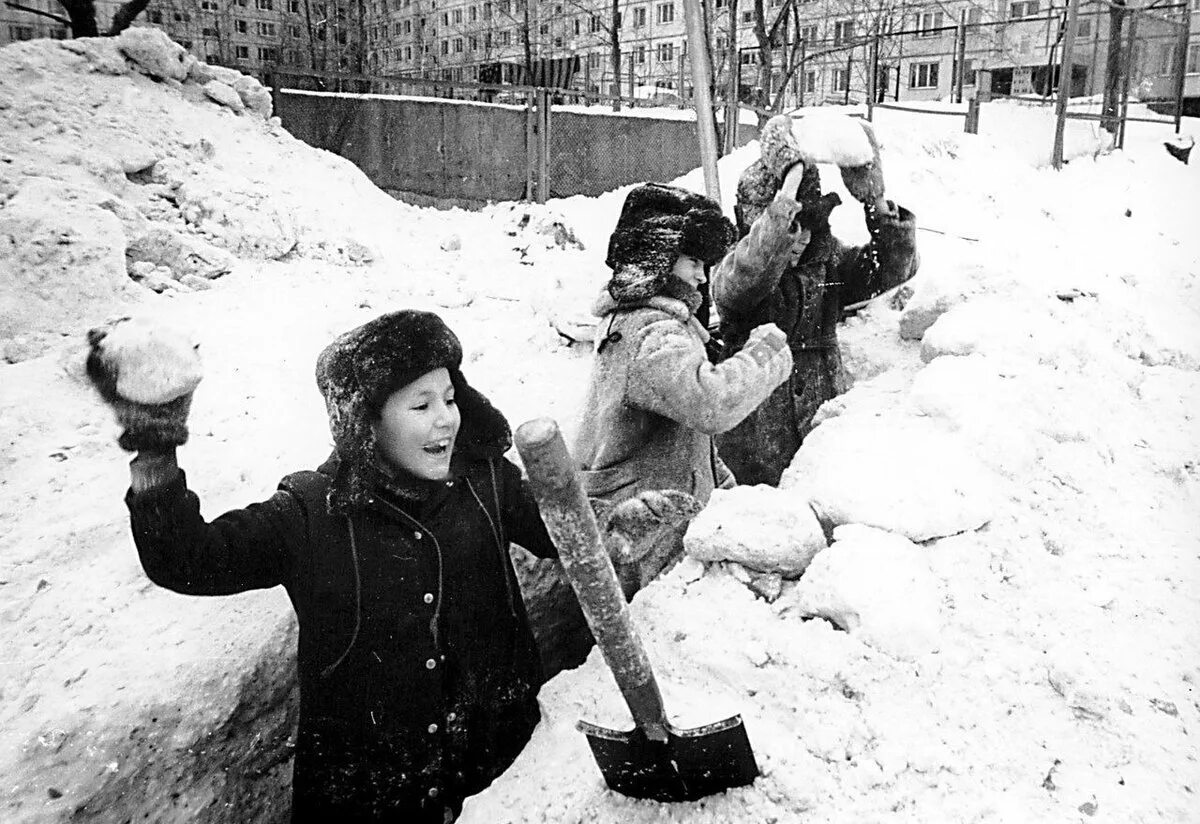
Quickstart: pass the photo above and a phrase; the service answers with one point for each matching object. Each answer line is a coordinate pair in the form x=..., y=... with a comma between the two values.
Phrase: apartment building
x=822, y=52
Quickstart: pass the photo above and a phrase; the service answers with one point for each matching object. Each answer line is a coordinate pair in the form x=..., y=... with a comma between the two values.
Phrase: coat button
x=417, y=535
x=429, y=597
x=430, y=664
x=433, y=792
x=449, y=483
x=451, y=716
x=432, y=728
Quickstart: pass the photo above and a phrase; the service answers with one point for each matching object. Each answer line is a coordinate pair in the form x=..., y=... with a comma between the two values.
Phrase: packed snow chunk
x=896, y=472
x=536, y=226
x=996, y=325
x=181, y=254
x=63, y=267
x=154, y=53
x=249, y=224
x=254, y=95
x=831, y=137
x=149, y=362
x=225, y=95
x=760, y=527
x=877, y=586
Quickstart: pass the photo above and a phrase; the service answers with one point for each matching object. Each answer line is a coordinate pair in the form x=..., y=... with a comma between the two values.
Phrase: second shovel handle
x=572, y=525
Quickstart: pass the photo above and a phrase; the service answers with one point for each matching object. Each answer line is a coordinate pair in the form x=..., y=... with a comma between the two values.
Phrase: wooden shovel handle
x=572, y=526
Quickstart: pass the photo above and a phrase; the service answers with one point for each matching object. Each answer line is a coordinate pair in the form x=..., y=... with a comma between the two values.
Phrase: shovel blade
x=689, y=765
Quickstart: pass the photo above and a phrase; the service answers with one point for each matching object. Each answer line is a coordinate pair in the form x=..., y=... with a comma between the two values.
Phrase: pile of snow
x=126, y=158
x=972, y=599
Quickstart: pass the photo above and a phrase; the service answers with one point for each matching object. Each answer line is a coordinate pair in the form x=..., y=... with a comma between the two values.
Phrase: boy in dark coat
x=790, y=270
x=418, y=670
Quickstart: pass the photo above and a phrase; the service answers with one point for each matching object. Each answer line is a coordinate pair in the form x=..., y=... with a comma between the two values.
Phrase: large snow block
x=877, y=586
x=64, y=267
x=154, y=53
x=759, y=527
x=895, y=472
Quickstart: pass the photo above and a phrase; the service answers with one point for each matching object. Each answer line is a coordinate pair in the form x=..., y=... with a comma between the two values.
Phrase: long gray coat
x=756, y=284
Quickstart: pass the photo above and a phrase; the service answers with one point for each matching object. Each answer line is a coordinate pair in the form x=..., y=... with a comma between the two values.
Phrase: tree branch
x=39, y=13
x=125, y=15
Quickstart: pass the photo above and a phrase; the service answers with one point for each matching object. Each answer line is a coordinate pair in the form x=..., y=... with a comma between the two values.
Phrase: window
x=639, y=54
x=808, y=34
x=487, y=11
x=472, y=14
x=268, y=55
x=720, y=4
x=208, y=31
x=1085, y=29
x=182, y=18
x=666, y=12
x=20, y=32
x=927, y=22
x=544, y=28
x=810, y=82
x=155, y=17
x=593, y=60
x=639, y=17
x=974, y=16
x=458, y=45
x=748, y=58
x=843, y=30
x=473, y=43
x=841, y=80
x=457, y=16
x=408, y=53
x=445, y=47
x=296, y=32
x=1024, y=8
x=748, y=16
x=264, y=5
x=243, y=52
x=923, y=76
x=666, y=52
x=241, y=26
x=505, y=37
x=266, y=29
x=209, y=5
x=576, y=25
x=969, y=76
x=58, y=33
x=719, y=43
x=294, y=6
x=445, y=18
x=1193, y=61
x=558, y=42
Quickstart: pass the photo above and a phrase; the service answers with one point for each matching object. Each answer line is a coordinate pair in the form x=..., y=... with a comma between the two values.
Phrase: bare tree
x=81, y=16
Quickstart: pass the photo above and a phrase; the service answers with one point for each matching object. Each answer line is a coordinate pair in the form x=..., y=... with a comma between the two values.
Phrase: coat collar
x=605, y=306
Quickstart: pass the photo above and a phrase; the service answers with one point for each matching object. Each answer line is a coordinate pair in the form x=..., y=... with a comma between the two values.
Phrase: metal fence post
x=531, y=149
x=873, y=79
x=1065, y=76
x=1181, y=64
x=1133, y=20
x=543, y=145
x=960, y=55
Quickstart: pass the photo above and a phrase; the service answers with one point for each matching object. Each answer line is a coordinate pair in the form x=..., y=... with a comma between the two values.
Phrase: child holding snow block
x=790, y=270
x=655, y=401
x=418, y=670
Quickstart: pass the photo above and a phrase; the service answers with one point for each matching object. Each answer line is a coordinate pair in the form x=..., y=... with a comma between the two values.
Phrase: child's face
x=689, y=270
x=417, y=427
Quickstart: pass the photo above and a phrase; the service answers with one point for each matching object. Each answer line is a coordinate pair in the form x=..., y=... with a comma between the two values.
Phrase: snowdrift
x=973, y=597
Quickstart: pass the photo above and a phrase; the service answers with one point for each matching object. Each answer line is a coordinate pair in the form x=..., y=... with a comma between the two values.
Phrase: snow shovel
x=654, y=760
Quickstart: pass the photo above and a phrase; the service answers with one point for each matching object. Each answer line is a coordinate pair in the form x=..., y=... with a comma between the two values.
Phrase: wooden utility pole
x=702, y=94
x=1065, y=74
x=733, y=82
x=960, y=55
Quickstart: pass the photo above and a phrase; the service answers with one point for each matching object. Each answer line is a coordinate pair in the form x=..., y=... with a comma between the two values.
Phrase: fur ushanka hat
x=658, y=224
x=361, y=369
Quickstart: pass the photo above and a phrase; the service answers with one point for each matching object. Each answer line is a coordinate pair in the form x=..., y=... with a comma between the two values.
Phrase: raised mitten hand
x=632, y=527
x=767, y=346
x=865, y=181
x=778, y=147
x=147, y=374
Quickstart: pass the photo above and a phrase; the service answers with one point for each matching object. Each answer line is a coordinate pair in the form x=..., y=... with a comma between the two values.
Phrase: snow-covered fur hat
x=361, y=369
x=658, y=224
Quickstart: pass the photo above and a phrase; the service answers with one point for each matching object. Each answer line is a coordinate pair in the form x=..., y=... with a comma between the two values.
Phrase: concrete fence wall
x=475, y=152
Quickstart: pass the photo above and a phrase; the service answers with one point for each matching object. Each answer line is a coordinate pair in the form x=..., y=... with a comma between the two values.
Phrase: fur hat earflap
x=658, y=224
x=360, y=370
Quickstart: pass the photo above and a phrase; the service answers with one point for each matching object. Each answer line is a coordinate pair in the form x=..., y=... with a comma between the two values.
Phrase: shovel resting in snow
x=654, y=760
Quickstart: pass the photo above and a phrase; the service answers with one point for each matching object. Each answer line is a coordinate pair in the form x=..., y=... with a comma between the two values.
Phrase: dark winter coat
x=755, y=284
x=418, y=671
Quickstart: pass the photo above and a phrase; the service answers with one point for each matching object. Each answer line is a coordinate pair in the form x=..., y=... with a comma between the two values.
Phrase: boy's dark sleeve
x=522, y=521
x=241, y=550
x=893, y=242
x=750, y=271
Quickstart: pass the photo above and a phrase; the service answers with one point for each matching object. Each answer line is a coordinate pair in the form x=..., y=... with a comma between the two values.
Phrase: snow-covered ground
x=1010, y=598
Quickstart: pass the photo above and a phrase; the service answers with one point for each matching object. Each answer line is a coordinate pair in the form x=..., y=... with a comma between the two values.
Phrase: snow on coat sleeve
x=522, y=521
x=241, y=550
x=751, y=270
x=670, y=375
x=894, y=238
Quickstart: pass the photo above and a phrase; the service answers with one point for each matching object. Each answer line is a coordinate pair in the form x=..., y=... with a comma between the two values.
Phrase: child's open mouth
x=438, y=448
